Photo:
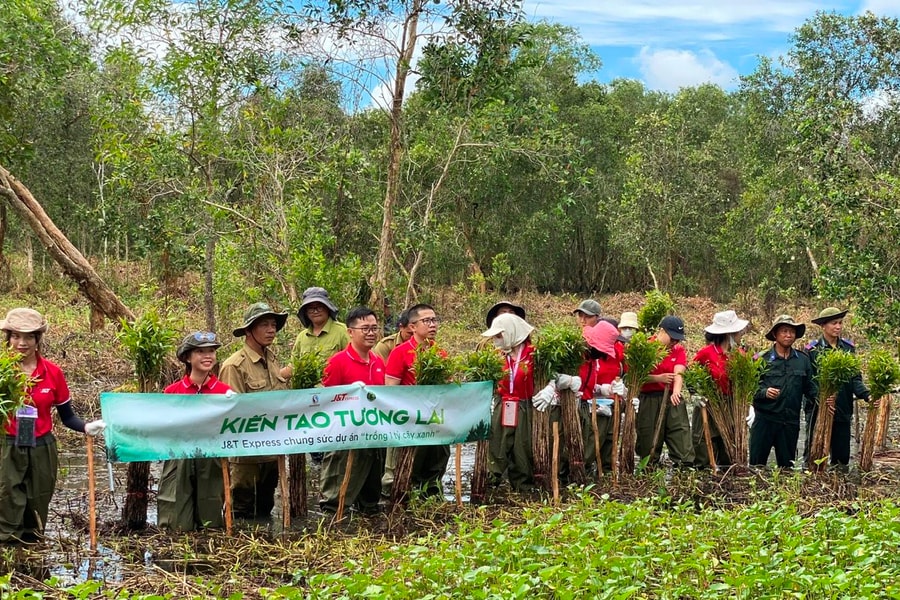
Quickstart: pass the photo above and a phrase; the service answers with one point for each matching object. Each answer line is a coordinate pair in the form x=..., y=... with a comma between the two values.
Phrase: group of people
x=191, y=492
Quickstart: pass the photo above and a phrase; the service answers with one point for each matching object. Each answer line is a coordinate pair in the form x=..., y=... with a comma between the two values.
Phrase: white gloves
x=568, y=382
x=751, y=416
x=604, y=390
x=636, y=403
x=94, y=428
x=230, y=393
x=619, y=389
x=545, y=398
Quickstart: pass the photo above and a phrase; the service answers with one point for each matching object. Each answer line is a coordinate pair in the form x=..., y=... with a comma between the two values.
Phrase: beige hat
x=799, y=328
x=628, y=319
x=24, y=320
x=725, y=322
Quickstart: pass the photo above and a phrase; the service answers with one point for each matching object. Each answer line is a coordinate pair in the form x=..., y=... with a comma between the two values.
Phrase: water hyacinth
x=308, y=370
x=14, y=384
x=656, y=306
x=835, y=368
x=884, y=374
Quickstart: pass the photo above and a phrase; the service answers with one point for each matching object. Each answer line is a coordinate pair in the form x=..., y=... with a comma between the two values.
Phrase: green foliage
x=482, y=365
x=558, y=349
x=14, y=383
x=884, y=373
x=698, y=380
x=432, y=366
x=744, y=374
x=657, y=305
x=147, y=342
x=641, y=356
x=309, y=368
x=834, y=368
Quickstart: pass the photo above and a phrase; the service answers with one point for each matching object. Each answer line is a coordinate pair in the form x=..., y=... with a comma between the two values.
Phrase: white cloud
x=669, y=70
x=881, y=7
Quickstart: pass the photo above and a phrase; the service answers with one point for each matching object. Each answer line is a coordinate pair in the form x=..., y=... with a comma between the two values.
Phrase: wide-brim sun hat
x=829, y=314
x=257, y=311
x=492, y=311
x=602, y=337
x=726, y=322
x=799, y=328
x=197, y=339
x=24, y=320
x=312, y=295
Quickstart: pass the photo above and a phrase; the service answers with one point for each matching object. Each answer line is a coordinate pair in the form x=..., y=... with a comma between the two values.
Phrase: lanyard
x=513, y=368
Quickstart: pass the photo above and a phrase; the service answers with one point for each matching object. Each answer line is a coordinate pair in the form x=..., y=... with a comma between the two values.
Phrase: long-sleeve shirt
x=793, y=376
x=518, y=380
x=843, y=403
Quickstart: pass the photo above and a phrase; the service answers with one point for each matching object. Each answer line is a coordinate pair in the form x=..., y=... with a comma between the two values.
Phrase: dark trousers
x=840, y=439
x=766, y=434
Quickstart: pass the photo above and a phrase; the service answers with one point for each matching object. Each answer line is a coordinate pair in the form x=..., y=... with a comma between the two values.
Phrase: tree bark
x=395, y=155
x=73, y=263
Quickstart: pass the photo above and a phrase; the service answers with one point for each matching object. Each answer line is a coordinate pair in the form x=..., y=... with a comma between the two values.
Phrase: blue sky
x=669, y=44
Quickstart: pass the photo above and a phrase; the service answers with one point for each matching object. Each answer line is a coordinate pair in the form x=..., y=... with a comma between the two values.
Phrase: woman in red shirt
x=191, y=491
x=604, y=364
x=722, y=336
x=28, y=455
x=510, y=444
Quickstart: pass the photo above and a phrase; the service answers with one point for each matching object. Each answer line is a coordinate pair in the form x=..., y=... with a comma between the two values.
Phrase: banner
x=148, y=427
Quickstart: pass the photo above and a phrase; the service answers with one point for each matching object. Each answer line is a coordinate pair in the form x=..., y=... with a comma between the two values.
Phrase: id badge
x=509, y=414
x=26, y=418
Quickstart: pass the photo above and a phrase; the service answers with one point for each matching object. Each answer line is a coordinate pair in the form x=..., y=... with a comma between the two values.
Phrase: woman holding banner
x=191, y=491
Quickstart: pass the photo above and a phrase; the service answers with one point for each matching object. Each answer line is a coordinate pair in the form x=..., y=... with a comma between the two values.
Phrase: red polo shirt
x=348, y=367
x=185, y=386
x=48, y=388
x=598, y=371
x=402, y=360
x=676, y=356
x=716, y=362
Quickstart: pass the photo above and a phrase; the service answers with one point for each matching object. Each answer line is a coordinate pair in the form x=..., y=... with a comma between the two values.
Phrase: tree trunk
x=209, y=303
x=73, y=263
x=395, y=156
x=137, y=486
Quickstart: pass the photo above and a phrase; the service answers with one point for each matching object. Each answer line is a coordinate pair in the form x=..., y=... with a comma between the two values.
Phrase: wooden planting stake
x=555, y=466
x=226, y=483
x=660, y=422
x=708, y=437
x=596, y=429
x=345, y=483
x=285, y=500
x=92, y=492
x=459, y=475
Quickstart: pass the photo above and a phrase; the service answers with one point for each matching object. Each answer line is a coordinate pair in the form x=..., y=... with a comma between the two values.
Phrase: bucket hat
x=602, y=337
x=628, y=319
x=257, y=311
x=24, y=320
x=829, y=314
x=799, y=328
x=492, y=311
x=198, y=339
x=726, y=321
x=311, y=295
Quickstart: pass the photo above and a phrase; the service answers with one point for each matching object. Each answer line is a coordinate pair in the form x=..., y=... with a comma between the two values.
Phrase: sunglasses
x=204, y=336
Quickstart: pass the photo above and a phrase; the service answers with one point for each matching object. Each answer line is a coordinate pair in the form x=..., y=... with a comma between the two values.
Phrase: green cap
x=198, y=339
x=829, y=314
x=257, y=311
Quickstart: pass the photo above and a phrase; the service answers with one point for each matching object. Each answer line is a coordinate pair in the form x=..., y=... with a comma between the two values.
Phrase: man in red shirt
x=676, y=431
x=355, y=364
x=430, y=462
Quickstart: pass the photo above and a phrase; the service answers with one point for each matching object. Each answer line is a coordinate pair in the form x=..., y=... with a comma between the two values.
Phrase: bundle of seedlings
x=147, y=343
x=14, y=383
x=641, y=356
x=884, y=375
x=308, y=370
x=699, y=382
x=835, y=369
x=744, y=373
x=482, y=365
x=656, y=306
x=559, y=349
x=432, y=367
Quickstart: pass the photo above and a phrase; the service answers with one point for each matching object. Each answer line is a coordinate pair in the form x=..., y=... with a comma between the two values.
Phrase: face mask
x=498, y=343
x=627, y=332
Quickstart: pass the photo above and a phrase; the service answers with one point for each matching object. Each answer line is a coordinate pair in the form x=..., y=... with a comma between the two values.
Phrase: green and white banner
x=147, y=427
